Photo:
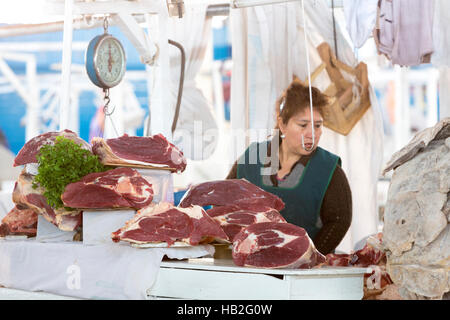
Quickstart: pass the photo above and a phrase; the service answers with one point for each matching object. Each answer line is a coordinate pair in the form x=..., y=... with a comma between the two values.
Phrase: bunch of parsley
x=63, y=163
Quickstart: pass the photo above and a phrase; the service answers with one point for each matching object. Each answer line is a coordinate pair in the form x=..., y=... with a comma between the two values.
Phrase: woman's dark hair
x=296, y=99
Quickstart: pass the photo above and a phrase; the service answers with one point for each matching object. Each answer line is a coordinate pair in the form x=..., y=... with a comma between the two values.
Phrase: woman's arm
x=335, y=213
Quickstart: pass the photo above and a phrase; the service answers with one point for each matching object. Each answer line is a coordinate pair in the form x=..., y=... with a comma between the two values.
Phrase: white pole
x=33, y=122
x=66, y=65
x=161, y=111
x=444, y=92
x=432, y=99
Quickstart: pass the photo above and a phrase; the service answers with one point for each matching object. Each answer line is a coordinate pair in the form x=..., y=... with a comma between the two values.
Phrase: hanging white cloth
x=361, y=150
x=258, y=77
x=360, y=16
x=193, y=32
x=441, y=33
x=406, y=31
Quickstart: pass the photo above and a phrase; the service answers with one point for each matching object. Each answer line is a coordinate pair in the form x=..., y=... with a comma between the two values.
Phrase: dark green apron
x=303, y=201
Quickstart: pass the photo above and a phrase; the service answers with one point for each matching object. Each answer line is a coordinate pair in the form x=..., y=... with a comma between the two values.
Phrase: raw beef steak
x=275, y=245
x=19, y=222
x=30, y=150
x=24, y=196
x=233, y=218
x=229, y=192
x=116, y=188
x=155, y=151
x=165, y=223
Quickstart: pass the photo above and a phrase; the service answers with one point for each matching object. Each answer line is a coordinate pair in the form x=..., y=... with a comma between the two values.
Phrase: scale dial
x=105, y=61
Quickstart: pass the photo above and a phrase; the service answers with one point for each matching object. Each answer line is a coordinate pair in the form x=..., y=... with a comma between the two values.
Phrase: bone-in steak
x=275, y=245
x=165, y=223
x=235, y=217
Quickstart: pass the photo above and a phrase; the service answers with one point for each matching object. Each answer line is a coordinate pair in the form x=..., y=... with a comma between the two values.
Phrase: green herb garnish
x=63, y=163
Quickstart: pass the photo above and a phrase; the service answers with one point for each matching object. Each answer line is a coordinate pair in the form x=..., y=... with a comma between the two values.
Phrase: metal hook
x=107, y=101
x=105, y=24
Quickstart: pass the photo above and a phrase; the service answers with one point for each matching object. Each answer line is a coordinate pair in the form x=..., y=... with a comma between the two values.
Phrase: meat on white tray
x=164, y=222
x=153, y=151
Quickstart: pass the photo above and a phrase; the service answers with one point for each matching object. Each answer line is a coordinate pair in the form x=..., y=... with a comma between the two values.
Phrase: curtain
x=196, y=118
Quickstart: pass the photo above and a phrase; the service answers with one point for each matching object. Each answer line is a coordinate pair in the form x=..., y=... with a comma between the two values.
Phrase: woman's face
x=300, y=125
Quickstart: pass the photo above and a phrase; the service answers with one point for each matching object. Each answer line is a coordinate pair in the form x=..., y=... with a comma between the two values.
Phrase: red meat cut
x=19, y=222
x=29, y=152
x=229, y=192
x=371, y=254
x=275, y=245
x=234, y=218
x=127, y=150
x=24, y=196
x=116, y=188
x=165, y=223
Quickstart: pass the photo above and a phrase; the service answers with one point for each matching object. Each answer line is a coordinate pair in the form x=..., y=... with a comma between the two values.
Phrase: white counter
x=220, y=279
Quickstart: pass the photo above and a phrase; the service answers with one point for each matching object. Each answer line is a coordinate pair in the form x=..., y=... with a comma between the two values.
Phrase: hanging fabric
x=196, y=117
x=441, y=33
x=404, y=31
x=360, y=17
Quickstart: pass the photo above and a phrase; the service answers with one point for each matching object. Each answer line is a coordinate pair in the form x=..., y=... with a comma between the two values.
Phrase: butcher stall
x=103, y=219
x=156, y=251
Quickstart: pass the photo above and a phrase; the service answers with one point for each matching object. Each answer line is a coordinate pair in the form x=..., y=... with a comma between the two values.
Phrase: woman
x=307, y=178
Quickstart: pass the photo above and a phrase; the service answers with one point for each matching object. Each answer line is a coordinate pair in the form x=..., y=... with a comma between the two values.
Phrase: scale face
x=105, y=61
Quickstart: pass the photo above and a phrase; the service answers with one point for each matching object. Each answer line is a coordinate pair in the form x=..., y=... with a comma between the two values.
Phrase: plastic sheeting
x=112, y=271
x=268, y=49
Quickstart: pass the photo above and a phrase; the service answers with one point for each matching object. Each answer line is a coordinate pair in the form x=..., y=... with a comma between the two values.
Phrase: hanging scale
x=105, y=63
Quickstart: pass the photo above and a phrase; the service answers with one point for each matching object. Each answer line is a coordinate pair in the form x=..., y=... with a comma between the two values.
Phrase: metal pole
x=66, y=65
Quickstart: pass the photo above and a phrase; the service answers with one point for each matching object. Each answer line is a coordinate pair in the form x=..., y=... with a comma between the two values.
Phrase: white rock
x=416, y=230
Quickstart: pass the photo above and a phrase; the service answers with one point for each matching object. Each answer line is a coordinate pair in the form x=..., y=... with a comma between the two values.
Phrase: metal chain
x=106, y=111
